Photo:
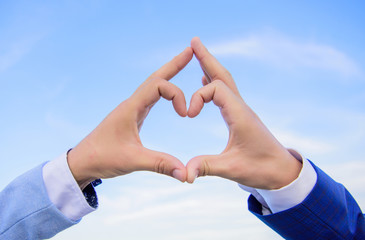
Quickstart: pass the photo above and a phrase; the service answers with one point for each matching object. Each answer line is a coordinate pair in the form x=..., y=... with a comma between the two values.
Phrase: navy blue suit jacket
x=329, y=212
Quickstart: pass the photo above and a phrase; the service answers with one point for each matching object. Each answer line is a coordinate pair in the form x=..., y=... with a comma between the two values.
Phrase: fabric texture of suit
x=328, y=212
x=26, y=211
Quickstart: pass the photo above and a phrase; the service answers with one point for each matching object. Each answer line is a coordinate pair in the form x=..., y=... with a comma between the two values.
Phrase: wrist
x=285, y=170
x=79, y=161
x=293, y=194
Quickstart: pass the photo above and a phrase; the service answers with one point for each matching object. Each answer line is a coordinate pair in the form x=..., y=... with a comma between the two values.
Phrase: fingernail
x=178, y=174
x=195, y=175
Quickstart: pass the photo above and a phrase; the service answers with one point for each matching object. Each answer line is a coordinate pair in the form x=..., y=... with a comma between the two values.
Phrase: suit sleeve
x=328, y=212
x=26, y=211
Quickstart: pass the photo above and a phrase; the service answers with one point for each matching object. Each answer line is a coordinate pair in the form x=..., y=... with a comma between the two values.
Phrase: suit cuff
x=63, y=190
x=294, y=193
x=289, y=196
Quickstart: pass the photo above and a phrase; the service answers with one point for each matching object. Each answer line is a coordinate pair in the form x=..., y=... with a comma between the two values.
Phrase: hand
x=253, y=157
x=114, y=147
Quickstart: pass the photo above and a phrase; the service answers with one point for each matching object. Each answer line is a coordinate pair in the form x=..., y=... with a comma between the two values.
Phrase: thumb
x=163, y=163
x=201, y=166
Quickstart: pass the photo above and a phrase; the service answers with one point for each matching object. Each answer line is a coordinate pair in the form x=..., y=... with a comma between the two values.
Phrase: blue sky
x=64, y=66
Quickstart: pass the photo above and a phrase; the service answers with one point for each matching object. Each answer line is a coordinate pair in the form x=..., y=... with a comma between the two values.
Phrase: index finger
x=151, y=91
x=217, y=91
x=170, y=69
x=210, y=65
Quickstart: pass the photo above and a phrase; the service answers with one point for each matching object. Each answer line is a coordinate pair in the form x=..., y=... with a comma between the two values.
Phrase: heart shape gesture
x=253, y=157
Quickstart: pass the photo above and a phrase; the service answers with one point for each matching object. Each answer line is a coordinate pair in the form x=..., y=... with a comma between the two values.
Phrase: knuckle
x=227, y=74
x=196, y=95
x=157, y=80
x=177, y=67
x=158, y=83
x=160, y=165
x=219, y=83
x=206, y=168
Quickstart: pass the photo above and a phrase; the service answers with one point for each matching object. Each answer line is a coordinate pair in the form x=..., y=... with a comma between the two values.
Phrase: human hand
x=252, y=157
x=114, y=147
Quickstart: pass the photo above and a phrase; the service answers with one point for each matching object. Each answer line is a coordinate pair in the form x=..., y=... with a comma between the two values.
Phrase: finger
x=163, y=163
x=216, y=91
x=151, y=92
x=171, y=68
x=204, y=80
x=202, y=166
x=210, y=65
x=207, y=78
x=170, y=91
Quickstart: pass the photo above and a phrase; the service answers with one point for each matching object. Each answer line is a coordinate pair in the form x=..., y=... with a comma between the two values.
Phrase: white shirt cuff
x=63, y=190
x=291, y=195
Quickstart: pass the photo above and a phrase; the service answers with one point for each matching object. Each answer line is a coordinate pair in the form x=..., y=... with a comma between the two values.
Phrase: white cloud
x=282, y=51
x=326, y=131
x=351, y=175
x=305, y=144
x=211, y=208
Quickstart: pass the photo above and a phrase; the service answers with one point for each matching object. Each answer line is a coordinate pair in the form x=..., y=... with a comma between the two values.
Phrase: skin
x=114, y=147
x=253, y=156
